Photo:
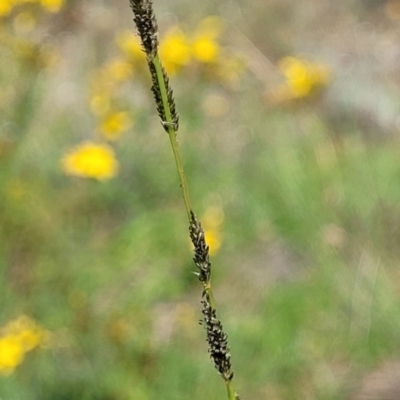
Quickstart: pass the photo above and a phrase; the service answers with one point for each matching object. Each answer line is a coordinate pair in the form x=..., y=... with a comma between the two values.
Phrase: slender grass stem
x=170, y=126
x=209, y=294
x=216, y=337
x=231, y=391
x=172, y=134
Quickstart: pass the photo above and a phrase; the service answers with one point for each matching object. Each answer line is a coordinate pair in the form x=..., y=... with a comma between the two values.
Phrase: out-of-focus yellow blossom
x=53, y=6
x=205, y=49
x=90, y=160
x=129, y=43
x=5, y=7
x=302, y=79
x=29, y=333
x=213, y=239
x=175, y=50
x=16, y=339
x=115, y=124
x=204, y=45
x=212, y=221
x=11, y=354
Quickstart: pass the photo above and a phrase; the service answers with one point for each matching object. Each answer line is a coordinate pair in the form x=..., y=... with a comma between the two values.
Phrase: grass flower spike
x=146, y=23
x=217, y=339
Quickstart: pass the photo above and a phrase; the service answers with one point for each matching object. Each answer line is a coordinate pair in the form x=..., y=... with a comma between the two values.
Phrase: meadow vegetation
x=289, y=137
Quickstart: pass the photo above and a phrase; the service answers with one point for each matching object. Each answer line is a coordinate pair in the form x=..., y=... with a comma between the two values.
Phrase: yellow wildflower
x=175, y=50
x=205, y=49
x=302, y=77
x=204, y=46
x=18, y=337
x=212, y=220
x=213, y=239
x=5, y=7
x=90, y=160
x=11, y=354
x=115, y=124
x=129, y=43
x=53, y=6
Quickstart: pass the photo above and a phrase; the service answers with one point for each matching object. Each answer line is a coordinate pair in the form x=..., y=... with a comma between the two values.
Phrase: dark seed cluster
x=201, y=258
x=157, y=97
x=146, y=24
x=217, y=341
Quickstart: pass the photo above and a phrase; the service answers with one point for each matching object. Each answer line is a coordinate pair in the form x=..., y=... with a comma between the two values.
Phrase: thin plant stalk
x=172, y=134
x=217, y=339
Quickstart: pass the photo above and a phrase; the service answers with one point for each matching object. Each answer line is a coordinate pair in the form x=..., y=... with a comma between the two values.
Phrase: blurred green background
x=289, y=126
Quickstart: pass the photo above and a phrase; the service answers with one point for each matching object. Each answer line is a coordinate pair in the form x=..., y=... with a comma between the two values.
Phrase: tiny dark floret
x=217, y=341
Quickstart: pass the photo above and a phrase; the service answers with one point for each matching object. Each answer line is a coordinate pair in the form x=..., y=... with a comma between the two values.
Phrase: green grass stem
x=171, y=129
x=217, y=339
x=172, y=135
